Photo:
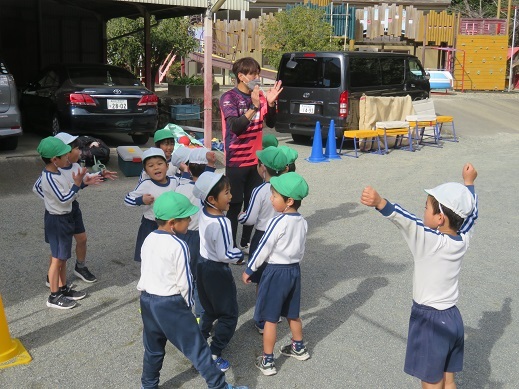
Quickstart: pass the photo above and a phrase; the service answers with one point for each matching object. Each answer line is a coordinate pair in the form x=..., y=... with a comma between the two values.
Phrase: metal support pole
x=208, y=77
x=510, y=73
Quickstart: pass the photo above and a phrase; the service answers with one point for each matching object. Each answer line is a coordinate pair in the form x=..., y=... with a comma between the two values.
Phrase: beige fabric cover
x=373, y=109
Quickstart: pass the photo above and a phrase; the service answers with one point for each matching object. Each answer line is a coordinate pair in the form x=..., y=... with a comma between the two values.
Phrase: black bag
x=93, y=147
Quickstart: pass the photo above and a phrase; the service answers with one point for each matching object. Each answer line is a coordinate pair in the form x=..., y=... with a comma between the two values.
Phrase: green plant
x=187, y=80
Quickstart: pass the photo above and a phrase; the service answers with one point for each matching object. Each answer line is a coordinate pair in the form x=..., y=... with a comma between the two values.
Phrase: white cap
x=180, y=155
x=205, y=183
x=198, y=155
x=153, y=152
x=454, y=196
x=65, y=137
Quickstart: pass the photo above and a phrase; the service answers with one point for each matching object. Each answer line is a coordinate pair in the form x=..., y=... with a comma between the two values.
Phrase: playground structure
x=474, y=51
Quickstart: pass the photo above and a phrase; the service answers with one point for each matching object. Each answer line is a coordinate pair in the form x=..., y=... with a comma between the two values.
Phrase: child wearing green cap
x=272, y=162
x=279, y=290
x=80, y=236
x=166, y=287
x=59, y=192
x=291, y=155
x=269, y=140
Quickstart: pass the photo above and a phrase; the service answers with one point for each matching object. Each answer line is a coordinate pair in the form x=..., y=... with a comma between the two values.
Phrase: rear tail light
x=81, y=99
x=148, y=100
x=343, y=104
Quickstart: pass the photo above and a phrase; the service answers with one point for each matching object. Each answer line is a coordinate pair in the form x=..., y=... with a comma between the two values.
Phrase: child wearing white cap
x=156, y=166
x=438, y=243
x=215, y=282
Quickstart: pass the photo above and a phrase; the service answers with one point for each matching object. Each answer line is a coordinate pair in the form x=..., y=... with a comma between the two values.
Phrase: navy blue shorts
x=435, y=343
x=147, y=227
x=77, y=215
x=279, y=293
x=256, y=276
x=59, y=230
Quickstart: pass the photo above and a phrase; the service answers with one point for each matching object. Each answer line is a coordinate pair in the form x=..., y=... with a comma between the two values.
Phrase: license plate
x=116, y=104
x=305, y=108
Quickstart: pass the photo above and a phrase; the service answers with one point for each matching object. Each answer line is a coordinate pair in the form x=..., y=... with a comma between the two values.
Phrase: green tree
x=476, y=8
x=298, y=29
x=168, y=35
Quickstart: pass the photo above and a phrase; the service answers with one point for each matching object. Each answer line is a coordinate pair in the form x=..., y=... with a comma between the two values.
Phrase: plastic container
x=185, y=112
x=130, y=160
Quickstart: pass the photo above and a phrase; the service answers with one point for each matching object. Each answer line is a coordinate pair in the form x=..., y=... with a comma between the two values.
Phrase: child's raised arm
x=469, y=174
x=371, y=198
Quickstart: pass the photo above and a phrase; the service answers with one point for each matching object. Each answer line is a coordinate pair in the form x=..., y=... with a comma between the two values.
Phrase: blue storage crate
x=185, y=112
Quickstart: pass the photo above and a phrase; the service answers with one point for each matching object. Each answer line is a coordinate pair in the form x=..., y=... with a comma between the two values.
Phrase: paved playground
x=357, y=272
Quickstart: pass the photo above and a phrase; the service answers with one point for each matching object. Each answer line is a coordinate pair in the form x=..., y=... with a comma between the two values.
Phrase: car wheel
x=55, y=127
x=298, y=138
x=9, y=143
x=140, y=139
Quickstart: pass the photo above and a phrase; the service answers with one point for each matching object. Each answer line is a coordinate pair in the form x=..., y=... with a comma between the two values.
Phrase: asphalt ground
x=357, y=271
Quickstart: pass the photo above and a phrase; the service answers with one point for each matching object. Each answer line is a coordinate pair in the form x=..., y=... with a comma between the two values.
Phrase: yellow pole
x=12, y=351
x=508, y=12
x=498, y=8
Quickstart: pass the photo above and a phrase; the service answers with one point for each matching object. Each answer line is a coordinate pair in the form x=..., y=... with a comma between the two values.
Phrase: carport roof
x=162, y=9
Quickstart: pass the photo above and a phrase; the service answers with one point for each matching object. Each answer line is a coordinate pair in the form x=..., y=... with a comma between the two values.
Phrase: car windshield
x=102, y=76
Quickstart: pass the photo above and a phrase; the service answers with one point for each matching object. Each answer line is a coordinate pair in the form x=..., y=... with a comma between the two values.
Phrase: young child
x=279, y=290
x=80, y=269
x=438, y=243
x=269, y=140
x=197, y=165
x=291, y=155
x=58, y=194
x=166, y=298
x=272, y=162
x=164, y=140
x=215, y=282
x=156, y=166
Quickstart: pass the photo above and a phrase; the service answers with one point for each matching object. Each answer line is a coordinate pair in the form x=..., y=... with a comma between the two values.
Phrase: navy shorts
x=256, y=276
x=435, y=343
x=279, y=293
x=147, y=227
x=59, y=230
x=77, y=215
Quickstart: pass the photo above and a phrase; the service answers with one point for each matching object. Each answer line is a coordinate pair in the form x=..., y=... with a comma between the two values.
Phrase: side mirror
x=427, y=75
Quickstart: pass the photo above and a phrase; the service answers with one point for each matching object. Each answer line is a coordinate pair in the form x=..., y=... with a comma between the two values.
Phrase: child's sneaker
x=245, y=248
x=72, y=294
x=222, y=364
x=267, y=368
x=229, y=386
x=60, y=302
x=289, y=351
x=84, y=274
x=260, y=326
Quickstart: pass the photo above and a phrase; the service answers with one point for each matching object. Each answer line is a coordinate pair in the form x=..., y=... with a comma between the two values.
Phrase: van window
x=393, y=71
x=415, y=70
x=364, y=72
x=314, y=72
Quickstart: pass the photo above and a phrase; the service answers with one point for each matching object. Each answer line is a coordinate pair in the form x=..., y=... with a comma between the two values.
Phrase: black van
x=321, y=86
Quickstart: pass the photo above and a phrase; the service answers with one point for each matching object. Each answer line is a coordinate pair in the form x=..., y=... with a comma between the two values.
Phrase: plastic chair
x=357, y=135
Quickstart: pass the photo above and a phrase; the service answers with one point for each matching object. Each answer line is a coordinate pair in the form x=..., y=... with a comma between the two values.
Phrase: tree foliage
x=169, y=35
x=298, y=29
x=476, y=8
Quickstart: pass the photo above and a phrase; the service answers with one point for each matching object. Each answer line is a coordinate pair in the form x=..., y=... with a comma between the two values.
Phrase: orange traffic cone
x=12, y=351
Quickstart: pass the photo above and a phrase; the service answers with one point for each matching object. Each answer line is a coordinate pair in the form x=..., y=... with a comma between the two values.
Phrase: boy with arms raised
x=435, y=340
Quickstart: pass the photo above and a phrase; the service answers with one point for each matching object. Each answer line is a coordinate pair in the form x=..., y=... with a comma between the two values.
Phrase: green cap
x=51, y=147
x=163, y=134
x=273, y=158
x=269, y=140
x=173, y=205
x=290, y=153
x=290, y=185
